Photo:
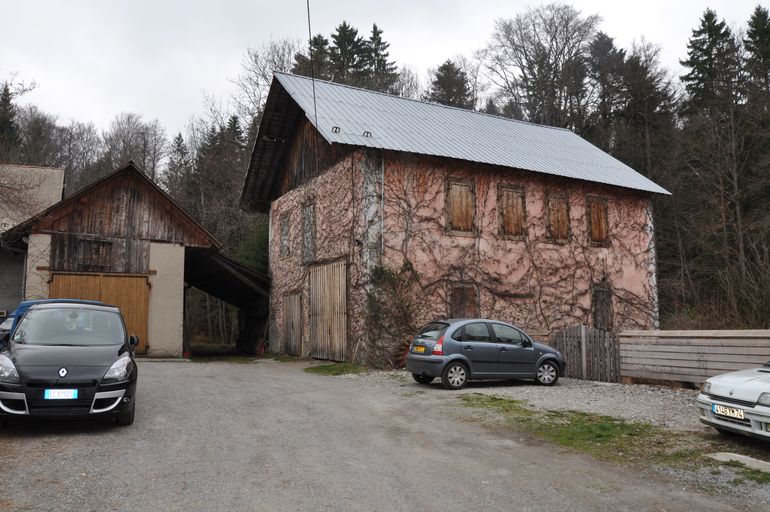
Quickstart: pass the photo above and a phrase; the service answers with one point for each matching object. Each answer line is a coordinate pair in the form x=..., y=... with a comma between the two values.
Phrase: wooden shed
x=124, y=241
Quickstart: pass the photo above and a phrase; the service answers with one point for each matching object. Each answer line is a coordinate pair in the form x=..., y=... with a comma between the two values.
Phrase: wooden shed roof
x=194, y=234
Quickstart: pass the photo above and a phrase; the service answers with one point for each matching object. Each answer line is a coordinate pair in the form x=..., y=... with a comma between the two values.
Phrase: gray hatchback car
x=477, y=349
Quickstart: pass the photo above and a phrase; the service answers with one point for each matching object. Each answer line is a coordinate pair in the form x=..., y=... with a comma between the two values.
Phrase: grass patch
x=335, y=369
x=603, y=437
x=746, y=473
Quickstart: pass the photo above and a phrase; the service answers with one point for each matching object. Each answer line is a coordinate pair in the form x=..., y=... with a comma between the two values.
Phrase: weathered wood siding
x=691, y=356
x=591, y=354
x=328, y=311
x=292, y=324
x=309, y=155
x=110, y=228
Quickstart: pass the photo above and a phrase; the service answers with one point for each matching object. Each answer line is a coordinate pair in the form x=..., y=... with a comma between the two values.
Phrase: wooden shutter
x=597, y=220
x=512, y=211
x=460, y=206
x=463, y=301
x=558, y=218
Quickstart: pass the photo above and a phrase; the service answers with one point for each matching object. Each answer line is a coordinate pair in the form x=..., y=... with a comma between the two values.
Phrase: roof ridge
x=449, y=107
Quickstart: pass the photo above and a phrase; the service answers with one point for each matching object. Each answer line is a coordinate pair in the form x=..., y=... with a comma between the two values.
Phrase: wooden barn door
x=130, y=293
x=292, y=324
x=328, y=311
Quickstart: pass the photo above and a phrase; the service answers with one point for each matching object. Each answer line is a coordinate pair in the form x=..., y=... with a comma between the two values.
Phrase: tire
x=422, y=379
x=126, y=418
x=547, y=373
x=454, y=376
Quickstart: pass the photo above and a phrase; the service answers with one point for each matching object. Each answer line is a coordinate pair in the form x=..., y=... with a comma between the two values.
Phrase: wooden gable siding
x=110, y=228
x=299, y=163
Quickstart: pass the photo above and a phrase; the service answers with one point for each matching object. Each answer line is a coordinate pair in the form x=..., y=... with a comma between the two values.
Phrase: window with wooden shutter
x=558, y=218
x=284, y=234
x=511, y=211
x=308, y=233
x=464, y=301
x=461, y=206
x=598, y=230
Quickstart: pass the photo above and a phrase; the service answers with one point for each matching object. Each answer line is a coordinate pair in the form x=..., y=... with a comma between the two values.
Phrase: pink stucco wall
x=534, y=283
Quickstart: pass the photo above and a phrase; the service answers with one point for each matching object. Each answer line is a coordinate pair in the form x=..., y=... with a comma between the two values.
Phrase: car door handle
x=503, y=349
x=468, y=347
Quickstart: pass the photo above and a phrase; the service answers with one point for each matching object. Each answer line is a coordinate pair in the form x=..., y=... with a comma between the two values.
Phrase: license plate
x=419, y=349
x=60, y=394
x=727, y=411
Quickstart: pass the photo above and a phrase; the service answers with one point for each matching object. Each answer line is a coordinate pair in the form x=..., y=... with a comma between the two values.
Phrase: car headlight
x=764, y=399
x=119, y=371
x=706, y=388
x=8, y=373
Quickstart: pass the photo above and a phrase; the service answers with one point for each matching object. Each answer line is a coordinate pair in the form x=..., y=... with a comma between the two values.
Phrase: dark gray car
x=477, y=349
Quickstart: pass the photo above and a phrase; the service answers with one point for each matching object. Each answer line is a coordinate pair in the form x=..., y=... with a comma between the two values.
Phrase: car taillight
x=438, y=348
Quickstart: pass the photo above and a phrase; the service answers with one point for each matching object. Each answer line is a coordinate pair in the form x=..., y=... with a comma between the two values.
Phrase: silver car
x=459, y=350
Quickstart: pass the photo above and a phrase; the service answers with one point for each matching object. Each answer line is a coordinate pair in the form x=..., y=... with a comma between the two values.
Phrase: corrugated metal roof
x=346, y=113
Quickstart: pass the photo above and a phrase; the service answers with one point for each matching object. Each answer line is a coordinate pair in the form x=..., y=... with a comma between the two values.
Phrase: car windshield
x=433, y=330
x=70, y=327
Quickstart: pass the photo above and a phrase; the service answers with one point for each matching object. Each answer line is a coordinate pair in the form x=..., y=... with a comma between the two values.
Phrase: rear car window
x=70, y=326
x=433, y=330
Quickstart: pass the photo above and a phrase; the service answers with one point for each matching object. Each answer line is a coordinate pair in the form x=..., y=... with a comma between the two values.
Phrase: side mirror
x=4, y=338
x=133, y=341
x=527, y=342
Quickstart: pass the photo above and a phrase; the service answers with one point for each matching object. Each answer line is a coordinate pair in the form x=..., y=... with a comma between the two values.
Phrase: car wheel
x=125, y=419
x=547, y=373
x=454, y=376
x=422, y=379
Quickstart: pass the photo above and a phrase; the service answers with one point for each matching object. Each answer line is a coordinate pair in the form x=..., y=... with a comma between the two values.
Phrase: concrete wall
x=166, y=316
x=11, y=280
x=26, y=190
x=38, y=255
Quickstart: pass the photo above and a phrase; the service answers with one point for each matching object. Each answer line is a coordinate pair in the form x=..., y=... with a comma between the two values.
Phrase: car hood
x=46, y=355
x=741, y=385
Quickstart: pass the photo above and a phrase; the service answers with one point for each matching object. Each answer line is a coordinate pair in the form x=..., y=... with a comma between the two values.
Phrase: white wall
x=38, y=255
x=165, y=327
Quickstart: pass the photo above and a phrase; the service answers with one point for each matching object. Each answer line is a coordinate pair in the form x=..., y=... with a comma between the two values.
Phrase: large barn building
x=474, y=215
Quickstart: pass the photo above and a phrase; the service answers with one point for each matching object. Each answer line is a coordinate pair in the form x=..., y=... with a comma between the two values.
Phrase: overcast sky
x=94, y=59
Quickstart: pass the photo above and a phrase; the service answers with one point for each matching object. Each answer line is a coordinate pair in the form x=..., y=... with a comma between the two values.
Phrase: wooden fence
x=690, y=356
x=591, y=354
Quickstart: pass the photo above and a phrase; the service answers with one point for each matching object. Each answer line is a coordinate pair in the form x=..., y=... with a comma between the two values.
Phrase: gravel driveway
x=661, y=406
x=268, y=436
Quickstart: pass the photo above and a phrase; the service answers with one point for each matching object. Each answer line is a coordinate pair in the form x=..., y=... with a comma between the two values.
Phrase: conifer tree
x=381, y=73
x=319, y=50
x=450, y=86
x=9, y=130
x=347, y=55
x=712, y=63
x=757, y=44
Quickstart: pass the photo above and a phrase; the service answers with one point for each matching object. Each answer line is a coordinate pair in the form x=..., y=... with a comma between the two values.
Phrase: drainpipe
x=382, y=206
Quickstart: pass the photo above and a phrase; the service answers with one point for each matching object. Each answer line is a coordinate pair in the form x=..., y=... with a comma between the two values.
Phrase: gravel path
x=661, y=406
x=269, y=437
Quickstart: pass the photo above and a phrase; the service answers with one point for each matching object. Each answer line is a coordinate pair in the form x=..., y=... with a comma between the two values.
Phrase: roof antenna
x=312, y=79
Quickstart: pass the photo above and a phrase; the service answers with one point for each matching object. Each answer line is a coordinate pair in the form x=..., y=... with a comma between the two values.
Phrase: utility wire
x=312, y=80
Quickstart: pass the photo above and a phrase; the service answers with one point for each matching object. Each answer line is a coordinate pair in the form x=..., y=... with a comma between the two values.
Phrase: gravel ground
x=268, y=436
x=661, y=406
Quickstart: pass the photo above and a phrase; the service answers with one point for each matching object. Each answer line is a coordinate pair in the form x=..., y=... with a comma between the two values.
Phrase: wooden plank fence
x=690, y=356
x=591, y=354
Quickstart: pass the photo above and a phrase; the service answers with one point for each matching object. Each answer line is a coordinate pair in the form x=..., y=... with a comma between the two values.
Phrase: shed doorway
x=131, y=293
x=328, y=311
